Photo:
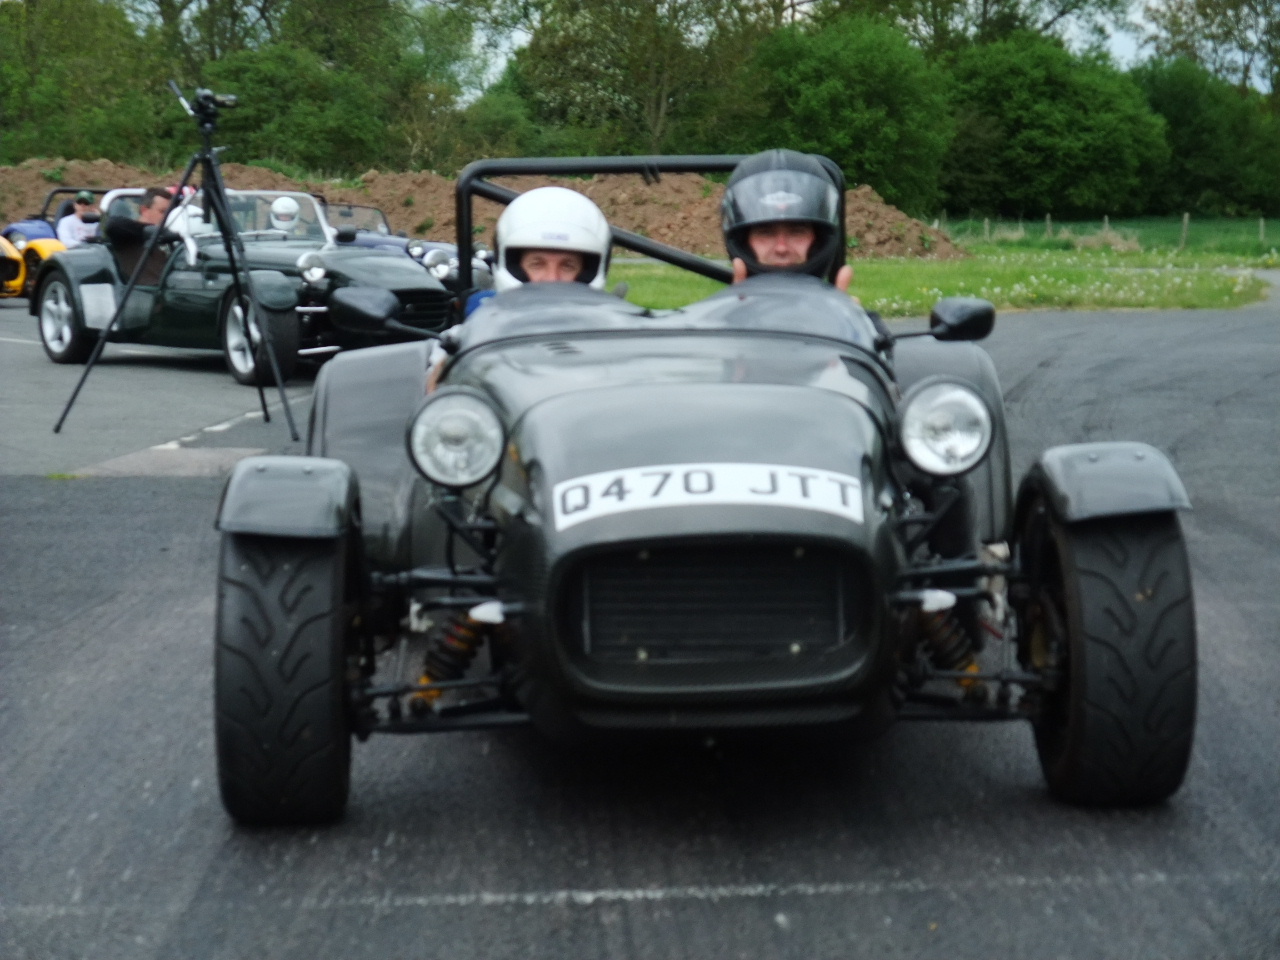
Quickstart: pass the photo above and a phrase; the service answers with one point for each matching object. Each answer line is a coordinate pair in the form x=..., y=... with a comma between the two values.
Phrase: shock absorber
x=449, y=654
x=951, y=648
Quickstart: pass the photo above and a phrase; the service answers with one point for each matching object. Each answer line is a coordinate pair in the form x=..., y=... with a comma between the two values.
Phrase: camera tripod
x=205, y=110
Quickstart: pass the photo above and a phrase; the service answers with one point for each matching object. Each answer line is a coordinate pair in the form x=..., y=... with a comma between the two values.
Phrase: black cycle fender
x=1083, y=481
x=313, y=497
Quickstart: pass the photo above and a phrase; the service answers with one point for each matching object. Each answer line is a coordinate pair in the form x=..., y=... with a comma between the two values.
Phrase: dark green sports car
x=192, y=305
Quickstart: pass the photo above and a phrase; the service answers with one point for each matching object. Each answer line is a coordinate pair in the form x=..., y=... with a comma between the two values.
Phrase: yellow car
x=12, y=270
x=34, y=240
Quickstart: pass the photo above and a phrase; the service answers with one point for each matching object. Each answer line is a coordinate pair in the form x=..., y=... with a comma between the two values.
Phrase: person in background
x=71, y=229
x=128, y=237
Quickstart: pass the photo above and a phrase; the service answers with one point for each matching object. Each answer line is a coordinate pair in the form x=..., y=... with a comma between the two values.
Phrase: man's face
x=154, y=215
x=784, y=244
x=82, y=207
x=551, y=266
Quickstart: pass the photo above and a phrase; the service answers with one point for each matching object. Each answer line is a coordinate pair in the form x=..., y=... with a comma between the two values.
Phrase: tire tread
x=282, y=733
x=1132, y=715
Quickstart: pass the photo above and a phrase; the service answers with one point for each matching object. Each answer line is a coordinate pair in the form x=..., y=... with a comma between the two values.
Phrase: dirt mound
x=682, y=210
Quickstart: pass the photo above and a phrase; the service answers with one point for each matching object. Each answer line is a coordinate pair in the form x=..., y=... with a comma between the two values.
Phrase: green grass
x=1234, y=236
x=1011, y=278
x=659, y=285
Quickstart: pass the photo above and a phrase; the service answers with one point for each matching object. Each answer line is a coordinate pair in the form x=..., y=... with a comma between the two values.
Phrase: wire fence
x=1242, y=236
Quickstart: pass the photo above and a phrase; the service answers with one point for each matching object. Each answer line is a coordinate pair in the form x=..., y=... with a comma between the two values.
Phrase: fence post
x=986, y=229
x=1186, y=220
x=1262, y=230
x=1106, y=223
x=1048, y=226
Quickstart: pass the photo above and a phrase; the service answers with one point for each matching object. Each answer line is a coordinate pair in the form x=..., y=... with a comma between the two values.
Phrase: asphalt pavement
x=934, y=841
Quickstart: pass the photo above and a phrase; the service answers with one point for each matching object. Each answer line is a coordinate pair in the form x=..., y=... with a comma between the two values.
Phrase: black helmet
x=779, y=186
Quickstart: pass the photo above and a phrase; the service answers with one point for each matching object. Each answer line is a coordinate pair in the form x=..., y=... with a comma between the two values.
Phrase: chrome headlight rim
x=19, y=241
x=416, y=249
x=469, y=402
x=929, y=395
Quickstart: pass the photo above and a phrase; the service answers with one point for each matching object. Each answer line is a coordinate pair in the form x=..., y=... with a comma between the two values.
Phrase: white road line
x=29, y=343
x=755, y=891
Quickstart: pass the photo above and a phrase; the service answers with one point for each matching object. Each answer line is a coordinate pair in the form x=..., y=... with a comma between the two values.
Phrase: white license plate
x=702, y=484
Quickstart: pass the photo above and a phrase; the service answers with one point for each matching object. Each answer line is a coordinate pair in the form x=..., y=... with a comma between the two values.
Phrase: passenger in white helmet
x=551, y=235
x=284, y=214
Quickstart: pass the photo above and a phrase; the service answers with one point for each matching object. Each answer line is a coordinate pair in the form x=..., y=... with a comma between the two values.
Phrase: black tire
x=62, y=330
x=32, y=261
x=282, y=723
x=1113, y=615
x=247, y=361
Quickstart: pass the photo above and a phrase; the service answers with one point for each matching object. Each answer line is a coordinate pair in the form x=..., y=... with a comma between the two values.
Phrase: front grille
x=720, y=604
x=425, y=309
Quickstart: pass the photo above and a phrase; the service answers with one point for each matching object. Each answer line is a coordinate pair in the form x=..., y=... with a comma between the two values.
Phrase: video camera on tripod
x=204, y=108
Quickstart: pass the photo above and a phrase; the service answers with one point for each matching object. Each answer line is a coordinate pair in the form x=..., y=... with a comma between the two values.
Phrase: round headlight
x=945, y=427
x=19, y=241
x=416, y=249
x=456, y=438
x=311, y=265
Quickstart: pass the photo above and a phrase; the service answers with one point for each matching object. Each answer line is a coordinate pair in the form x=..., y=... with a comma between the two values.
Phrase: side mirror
x=91, y=218
x=346, y=235
x=363, y=309
x=962, y=318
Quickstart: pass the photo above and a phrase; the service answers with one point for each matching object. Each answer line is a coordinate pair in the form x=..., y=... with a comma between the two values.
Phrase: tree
x=938, y=26
x=64, y=95
x=627, y=71
x=297, y=108
x=1237, y=40
x=1223, y=142
x=1043, y=131
x=860, y=93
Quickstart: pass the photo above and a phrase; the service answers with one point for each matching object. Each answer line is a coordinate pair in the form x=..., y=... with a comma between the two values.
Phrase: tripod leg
x=215, y=190
x=152, y=242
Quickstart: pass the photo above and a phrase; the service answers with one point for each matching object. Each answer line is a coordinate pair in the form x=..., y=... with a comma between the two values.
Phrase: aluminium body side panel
x=363, y=402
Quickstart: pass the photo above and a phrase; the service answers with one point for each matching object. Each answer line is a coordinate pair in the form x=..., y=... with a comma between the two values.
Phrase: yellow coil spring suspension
x=951, y=647
x=449, y=655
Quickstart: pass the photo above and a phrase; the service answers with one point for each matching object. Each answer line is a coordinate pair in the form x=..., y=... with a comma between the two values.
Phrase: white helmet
x=551, y=218
x=284, y=214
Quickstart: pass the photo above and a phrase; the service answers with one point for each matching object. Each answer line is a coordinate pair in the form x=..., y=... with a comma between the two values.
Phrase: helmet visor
x=773, y=196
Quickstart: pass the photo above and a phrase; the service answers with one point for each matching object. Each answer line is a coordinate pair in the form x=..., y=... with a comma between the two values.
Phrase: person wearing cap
x=780, y=214
x=71, y=229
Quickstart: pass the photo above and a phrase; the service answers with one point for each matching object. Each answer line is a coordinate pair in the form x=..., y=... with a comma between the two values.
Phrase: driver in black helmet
x=781, y=214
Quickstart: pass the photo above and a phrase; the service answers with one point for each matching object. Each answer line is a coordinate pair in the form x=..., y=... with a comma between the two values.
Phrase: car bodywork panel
x=289, y=497
x=1083, y=481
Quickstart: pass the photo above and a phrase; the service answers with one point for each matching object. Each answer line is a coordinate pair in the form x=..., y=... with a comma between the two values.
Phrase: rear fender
x=1083, y=481
x=312, y=497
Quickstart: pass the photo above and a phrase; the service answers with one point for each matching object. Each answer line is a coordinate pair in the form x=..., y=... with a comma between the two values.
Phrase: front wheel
x=1112, y=620
x=62, y=331
x=281, y=719
x=243, y=346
